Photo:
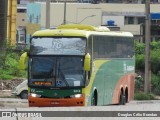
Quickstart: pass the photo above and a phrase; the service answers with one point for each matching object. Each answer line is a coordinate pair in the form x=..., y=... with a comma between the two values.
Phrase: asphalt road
x=135, y=110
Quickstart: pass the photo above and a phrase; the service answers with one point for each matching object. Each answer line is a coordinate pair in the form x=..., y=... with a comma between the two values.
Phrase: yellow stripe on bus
x=96, y=66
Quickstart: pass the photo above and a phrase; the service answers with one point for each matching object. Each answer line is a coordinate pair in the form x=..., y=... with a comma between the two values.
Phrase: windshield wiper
x=63, y=77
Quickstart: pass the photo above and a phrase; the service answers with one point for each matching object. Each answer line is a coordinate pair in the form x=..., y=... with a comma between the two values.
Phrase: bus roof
x=80, y=30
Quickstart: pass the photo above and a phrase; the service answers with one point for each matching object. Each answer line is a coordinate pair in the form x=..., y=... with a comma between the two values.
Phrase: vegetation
x=9, y=68
x=143, y=96
x=140, y=66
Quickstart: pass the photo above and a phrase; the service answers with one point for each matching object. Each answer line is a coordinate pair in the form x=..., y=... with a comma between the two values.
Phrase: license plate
x=55, y=103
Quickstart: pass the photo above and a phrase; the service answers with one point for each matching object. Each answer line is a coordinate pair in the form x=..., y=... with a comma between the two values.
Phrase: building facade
x=127, y=17
x=91, y=1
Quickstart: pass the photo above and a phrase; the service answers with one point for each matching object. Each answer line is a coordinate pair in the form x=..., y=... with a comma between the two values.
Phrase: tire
x=126, y=98
x=94, y=100
x=122, y=99
x=24, y=94
x=126, y=95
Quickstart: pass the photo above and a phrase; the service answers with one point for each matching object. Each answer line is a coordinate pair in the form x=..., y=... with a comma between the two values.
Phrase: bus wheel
x=24, y=94
x=126, y=95
x=122, y=99
x=94, y=99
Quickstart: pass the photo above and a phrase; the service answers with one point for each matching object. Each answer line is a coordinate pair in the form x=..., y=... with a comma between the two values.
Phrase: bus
x=79, y=65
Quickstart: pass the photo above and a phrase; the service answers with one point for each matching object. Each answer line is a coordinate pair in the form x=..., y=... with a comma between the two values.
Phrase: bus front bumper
x=52, y=102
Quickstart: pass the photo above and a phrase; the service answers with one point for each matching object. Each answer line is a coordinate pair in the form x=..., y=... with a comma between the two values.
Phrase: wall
x=82, y=12
x=134, y=29
x=75, y=12
x=21, y=19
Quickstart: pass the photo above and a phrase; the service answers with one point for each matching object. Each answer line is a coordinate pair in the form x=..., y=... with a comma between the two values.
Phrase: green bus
x=80, y=65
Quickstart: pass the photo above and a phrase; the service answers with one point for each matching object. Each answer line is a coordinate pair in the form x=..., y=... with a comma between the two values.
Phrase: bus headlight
x=35, y=95
x=76, y=96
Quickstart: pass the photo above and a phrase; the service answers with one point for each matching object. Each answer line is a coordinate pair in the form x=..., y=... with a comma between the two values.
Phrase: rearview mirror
x=87, y=62
x=23, y=61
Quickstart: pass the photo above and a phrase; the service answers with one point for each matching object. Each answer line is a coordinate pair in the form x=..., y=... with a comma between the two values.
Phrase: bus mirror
x=87, y=62
x=23, y=61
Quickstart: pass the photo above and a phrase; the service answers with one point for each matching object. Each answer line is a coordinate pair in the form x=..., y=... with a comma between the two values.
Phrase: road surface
x=135, y=110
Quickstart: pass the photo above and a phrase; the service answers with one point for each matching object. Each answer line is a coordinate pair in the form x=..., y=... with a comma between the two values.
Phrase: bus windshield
x=57, y=71
x=58, y=46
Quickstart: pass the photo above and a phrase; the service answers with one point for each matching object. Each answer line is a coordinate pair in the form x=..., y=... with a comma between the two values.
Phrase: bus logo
x=57, y=45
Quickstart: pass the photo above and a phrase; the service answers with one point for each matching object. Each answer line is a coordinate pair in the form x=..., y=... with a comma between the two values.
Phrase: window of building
x=130, y=20
x=153, y=22
x=18, y=1
x=115, y=1
x=21, y=10
x=141, y=20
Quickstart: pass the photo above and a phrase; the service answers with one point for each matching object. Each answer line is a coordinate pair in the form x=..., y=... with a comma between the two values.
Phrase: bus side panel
x=116, y=77
x=107, y=76
x=96, y=82
x=99, y=83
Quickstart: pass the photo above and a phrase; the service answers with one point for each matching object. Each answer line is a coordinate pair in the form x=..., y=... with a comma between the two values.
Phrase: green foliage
x=139, y=48
x=140, y=62
x=155, y=61
x=3, y=47
x=9, y=69
x=5, y=74
x=143, y=96
x=139, y=56
x=155, y=56
x=155, y=65
x=155, y=45
x=155, y=80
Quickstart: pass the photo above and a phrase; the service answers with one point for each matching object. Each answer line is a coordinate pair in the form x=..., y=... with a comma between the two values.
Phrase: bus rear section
x=113, y=68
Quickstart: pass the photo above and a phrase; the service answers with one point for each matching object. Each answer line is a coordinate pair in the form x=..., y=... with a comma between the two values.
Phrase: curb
x=13, y=103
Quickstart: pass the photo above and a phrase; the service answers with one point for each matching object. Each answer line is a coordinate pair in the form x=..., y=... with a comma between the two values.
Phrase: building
x=91, y=1
x=21, y=23
x=129, y=17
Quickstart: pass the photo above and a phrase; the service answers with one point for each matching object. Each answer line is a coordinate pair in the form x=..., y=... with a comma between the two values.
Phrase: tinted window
x=112, y=47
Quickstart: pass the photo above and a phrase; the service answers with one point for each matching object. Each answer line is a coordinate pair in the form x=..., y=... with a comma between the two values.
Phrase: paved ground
x=5, y=93
x=135, y=108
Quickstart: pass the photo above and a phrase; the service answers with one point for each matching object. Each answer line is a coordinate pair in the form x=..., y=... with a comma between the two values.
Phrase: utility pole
x=64, y=19
x=48, y=14
x=147, y=85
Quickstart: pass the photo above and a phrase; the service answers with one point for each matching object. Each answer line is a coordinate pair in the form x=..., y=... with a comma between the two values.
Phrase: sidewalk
x=5, y=93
